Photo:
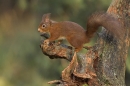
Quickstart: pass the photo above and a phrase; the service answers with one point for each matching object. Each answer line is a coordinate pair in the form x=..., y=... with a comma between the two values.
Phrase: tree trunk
x=104, y=64
x=111, y=64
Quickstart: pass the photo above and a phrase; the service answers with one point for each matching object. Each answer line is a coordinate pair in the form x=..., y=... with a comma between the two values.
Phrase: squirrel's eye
x=43, y=25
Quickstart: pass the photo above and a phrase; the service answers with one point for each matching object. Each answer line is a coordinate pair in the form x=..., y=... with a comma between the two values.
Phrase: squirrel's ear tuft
x=46, y=17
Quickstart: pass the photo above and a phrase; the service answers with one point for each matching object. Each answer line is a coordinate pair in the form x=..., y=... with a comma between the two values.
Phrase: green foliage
x=85, y=85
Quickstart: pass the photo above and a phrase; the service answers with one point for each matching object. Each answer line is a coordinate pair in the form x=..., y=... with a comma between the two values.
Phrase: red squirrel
x=75, y=34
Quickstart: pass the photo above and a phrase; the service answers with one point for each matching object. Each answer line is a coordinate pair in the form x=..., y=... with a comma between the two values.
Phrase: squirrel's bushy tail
x=107, y=21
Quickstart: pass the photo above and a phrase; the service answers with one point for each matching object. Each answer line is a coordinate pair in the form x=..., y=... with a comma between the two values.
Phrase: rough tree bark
x=104, y=63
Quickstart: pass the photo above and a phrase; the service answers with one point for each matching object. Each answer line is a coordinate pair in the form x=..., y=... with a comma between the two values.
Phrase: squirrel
x=75, y=34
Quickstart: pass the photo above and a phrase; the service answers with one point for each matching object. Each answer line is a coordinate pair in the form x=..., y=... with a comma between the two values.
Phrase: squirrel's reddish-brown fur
x=77, y=35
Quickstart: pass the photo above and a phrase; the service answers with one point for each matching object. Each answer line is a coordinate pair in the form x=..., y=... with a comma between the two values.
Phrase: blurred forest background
x=21, y=61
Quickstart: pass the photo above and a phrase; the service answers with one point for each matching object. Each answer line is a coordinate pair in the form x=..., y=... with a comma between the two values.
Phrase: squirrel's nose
x=39, y=30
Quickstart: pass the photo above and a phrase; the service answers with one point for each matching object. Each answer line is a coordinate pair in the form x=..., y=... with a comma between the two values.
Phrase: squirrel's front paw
x=46, y=42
